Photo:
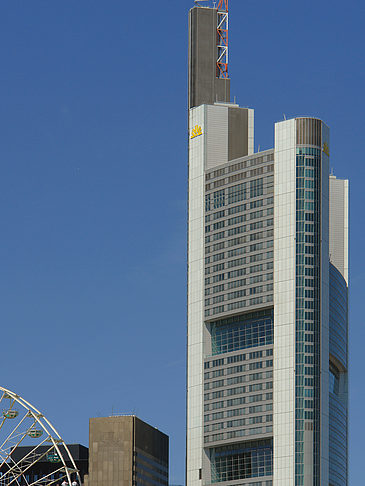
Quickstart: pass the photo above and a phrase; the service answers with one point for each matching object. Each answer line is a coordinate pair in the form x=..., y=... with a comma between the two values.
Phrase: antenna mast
x=222, y=39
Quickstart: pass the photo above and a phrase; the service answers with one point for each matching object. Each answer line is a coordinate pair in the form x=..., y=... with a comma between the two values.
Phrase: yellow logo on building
x=326, y=149
x=196, y=131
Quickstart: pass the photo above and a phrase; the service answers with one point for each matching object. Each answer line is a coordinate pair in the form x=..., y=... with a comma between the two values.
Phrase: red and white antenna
x=222, y=39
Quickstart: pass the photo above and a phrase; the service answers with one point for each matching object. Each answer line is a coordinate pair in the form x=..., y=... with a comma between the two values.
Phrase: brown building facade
x=125, y=451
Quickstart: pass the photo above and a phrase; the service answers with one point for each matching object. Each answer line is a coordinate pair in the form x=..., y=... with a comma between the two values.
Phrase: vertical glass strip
x=308, y=240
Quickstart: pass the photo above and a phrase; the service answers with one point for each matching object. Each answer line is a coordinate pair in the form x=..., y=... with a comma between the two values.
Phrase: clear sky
x=93, y=183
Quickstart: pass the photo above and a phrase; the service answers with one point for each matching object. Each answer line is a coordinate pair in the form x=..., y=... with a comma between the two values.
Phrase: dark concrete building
x=49, y=464
x=126, y=451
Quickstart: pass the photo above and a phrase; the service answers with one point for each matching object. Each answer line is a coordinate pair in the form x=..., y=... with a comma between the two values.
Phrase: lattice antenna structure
x=222, y=39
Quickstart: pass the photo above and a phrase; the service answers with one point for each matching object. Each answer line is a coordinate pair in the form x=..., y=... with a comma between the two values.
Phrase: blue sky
x=93, y=173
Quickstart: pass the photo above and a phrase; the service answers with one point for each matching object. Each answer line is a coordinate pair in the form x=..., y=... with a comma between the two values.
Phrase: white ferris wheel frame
x=52, y=438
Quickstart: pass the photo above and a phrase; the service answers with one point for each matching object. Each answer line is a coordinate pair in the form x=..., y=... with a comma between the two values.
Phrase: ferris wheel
x=32, y=453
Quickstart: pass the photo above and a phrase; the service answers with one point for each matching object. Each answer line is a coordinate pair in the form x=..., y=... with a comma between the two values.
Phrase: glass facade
x=338, y=400
x=308, y=269
x=338, y=315
x=242, y=332
x=251, y=459
x=337, y=441
x=149, y=471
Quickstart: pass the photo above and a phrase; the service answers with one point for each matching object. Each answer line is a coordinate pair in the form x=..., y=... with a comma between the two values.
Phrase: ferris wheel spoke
x=8, y=450
x=22, y=460
x=3, y=396
x=23, y=471
x=15, y=429
x=12, y=447
x=12, y=461
x=43, y=478
x=2, y=422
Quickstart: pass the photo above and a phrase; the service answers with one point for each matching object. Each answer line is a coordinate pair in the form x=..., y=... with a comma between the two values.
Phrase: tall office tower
x=125, y=451
x=267, y=291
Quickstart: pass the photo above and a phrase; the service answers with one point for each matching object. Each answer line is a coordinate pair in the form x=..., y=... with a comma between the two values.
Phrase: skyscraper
x=267, y=361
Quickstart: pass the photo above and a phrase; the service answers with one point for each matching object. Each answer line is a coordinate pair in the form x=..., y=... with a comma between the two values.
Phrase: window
x=217, y=288
x=256, y=187
x=241, y=332
x=218, y=236
x=256, y=204
x=235, y=380
x=237, y=220
x=334, y=380
x=218, y=225
x=237, y=193
x=218, y=214
x=235, y=359
x=255, y=366
x=236, y=283
x=219, y=199
x=250, y=459
x=237, y=209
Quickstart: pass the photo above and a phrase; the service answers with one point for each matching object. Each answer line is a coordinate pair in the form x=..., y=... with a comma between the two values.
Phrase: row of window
x=259, y=419
x=238, y=390
x=240, y=192
x=241, y=261
x=209, y=375
x=238, y=433
x=249, y=367
x=236, y=283
x=234, y=402
x=255, y=247
x=252, y=162
x=308, y=151
x=237, y=358
x=251, y=173
x=243, y=283
x=237, y=230
x=244, y=164
x=246, y=207
x=242, y=239
x=239, y=293
x=236, y=412
x=237, y=379
x=237, y=177
x=241, y=304
x=248, y=216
